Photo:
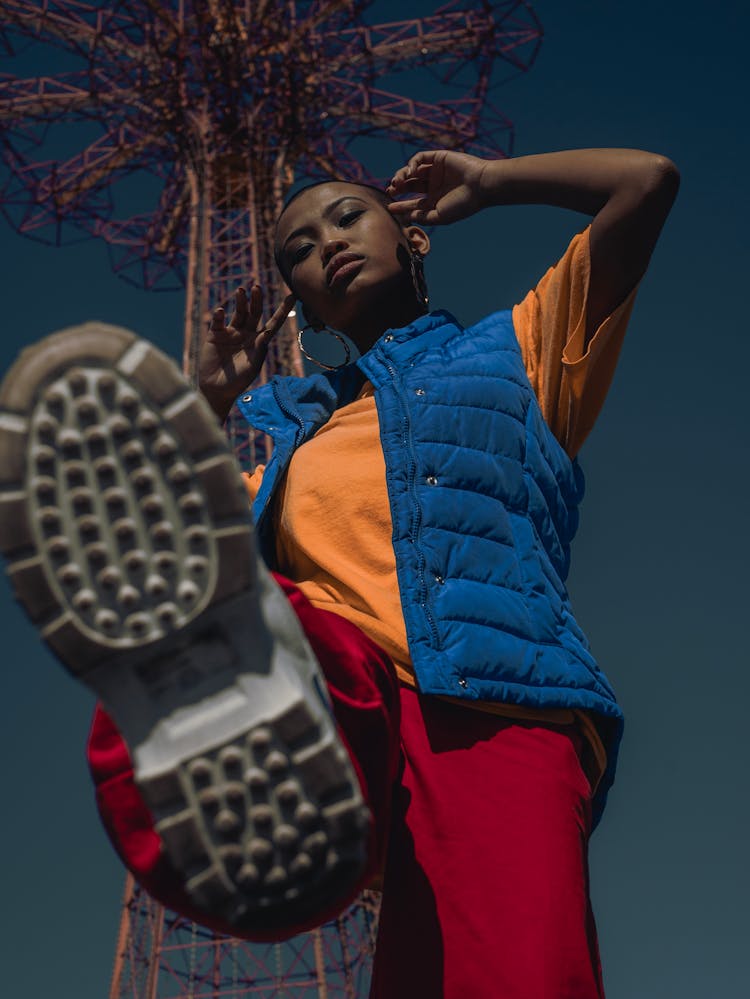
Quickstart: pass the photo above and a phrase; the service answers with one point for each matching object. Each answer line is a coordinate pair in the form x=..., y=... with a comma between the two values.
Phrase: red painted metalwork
x=160, y=955
x=173, y=131
x=215, y=106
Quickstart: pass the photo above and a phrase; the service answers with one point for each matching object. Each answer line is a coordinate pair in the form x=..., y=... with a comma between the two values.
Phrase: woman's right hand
x=231, y=356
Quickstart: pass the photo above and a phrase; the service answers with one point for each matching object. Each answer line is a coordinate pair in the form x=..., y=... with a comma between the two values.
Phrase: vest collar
x=438, y=326
x=296, y=408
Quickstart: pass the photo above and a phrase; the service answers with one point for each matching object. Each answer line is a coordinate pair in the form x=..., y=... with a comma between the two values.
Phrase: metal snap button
x=431, y=480
x=419, y=391
x=439, y=580
x=388, y=337
x=463, y=683
x=247, y=398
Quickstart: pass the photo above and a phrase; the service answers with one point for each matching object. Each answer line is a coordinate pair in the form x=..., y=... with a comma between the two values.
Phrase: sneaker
x=129, y=543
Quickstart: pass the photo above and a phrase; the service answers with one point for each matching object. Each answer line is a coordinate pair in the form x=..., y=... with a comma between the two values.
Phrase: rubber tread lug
x=32, y=588
x=321, y=768
x=12, y=456
x=197, y=426
x=345, y=819
x=296, y=723
x=183, y=838
x=15, y=529
x=235, y=553
x=163, y=791
x=210, y=888
x=64, y=636
x=225, y=494
x=162, y=382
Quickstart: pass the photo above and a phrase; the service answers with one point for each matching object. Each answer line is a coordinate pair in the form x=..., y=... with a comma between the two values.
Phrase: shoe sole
x=126, y=528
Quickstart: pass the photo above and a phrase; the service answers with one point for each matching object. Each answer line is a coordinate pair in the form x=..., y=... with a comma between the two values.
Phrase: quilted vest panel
x=484, y=506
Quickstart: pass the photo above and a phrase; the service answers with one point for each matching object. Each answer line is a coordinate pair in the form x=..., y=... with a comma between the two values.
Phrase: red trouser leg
x=365, y=696
x=486, y=893
x=486, y=883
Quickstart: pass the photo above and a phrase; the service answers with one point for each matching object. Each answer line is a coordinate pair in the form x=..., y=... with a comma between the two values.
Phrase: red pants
x=482, y=823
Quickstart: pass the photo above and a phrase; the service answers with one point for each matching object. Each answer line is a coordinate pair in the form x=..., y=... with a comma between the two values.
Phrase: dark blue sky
x=659, y=568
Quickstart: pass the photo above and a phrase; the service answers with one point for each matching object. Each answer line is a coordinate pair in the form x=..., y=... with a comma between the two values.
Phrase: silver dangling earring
x=323, y=329
x=418, y=279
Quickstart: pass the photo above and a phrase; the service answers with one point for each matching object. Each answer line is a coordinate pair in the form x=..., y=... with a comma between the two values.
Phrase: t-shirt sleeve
x=570, y=380
x=253, y=482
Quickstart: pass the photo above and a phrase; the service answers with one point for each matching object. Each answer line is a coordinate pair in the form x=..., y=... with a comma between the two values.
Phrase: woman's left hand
x=441, y=187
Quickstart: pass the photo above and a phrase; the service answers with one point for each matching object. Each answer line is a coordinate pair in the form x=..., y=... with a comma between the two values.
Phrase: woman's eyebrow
x=301, y=230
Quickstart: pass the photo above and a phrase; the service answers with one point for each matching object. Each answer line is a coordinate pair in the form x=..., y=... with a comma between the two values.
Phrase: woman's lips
x=348, y=269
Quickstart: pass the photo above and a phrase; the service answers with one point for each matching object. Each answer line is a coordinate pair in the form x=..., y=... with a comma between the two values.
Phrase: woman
x=419, y=504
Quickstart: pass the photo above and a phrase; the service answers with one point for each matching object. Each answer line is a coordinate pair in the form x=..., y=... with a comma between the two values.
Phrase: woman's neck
x=369, y=329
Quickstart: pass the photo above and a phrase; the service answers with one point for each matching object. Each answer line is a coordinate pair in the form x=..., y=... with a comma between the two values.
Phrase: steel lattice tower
x=182, y=125
x=160, y=955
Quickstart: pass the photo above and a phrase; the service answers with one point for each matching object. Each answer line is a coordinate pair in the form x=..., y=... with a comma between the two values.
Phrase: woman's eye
x=350, y=217
x=300, y=253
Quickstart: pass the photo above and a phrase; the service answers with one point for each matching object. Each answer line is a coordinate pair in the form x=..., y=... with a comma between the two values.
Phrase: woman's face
x=346, y=257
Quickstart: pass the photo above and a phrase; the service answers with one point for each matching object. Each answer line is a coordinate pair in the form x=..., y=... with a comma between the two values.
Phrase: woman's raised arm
x=628, y=192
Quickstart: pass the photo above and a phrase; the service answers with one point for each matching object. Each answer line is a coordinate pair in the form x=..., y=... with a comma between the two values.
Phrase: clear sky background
x=659, y=578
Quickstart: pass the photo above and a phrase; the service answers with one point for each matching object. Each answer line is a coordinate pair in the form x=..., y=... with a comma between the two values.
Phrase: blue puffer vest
x=484, y=503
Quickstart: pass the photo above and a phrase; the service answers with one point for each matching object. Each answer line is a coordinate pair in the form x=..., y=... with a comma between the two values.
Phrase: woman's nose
x=331, y=247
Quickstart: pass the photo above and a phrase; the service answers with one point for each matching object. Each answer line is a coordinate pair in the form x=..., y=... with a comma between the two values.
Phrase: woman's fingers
x=244, y=318
x=282, y=313
x=255, y=306
x=278, y=319
x=415, y=175
x=408, y=205
x=218, y=321
x=271, y=328
x=409, y=184
x=247, y=309
x=413, y=182
x=243, y=331
x=240, y=309
x=421, y=216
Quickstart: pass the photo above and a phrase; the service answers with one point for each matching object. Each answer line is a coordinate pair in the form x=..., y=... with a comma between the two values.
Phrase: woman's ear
x=418, y=239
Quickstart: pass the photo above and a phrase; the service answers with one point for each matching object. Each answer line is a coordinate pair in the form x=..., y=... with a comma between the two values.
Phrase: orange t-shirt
x=332, y=514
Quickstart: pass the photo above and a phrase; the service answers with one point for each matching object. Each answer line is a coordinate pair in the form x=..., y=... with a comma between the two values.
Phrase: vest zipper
x=293, y=415
x=416, y=519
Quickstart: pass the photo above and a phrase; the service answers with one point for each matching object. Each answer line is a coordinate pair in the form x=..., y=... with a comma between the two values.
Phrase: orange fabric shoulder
x=570, y=379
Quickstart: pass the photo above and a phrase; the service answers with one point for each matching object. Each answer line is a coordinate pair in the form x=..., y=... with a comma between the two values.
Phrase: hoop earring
x=330, y=332
x=418, y=279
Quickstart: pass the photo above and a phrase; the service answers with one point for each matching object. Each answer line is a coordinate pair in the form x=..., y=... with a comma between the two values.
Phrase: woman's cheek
x=304, y=287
